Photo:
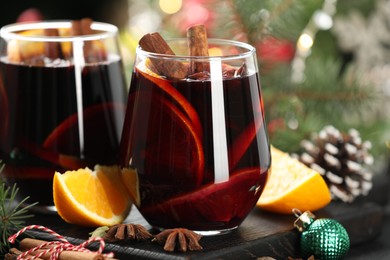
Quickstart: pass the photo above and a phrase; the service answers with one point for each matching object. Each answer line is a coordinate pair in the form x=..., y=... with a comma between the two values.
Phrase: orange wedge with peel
x=131, y=182
x=292, y=184
x=91, y=197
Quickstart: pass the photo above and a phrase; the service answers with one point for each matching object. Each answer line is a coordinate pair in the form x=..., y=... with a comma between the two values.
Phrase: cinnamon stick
x=89, y=53
x=81, y=27
x=53, y=50
x=75, y=29
x=153, y=42
x=29, y=243
x=14, y=253
x=94, y=51
x=198, y=45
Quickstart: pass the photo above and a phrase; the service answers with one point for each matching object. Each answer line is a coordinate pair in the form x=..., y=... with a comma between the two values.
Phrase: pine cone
x=341, y=159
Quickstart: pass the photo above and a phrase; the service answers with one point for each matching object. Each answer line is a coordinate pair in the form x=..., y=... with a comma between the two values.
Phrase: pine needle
x=12, y=214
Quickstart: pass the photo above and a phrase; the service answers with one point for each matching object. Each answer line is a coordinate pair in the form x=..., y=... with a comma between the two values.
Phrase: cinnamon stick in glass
x=153, y=42
x=53, y=50
x=94, y=51
x=198, y=45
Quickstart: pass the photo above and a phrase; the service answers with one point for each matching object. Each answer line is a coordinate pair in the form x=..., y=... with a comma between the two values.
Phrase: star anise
x=127, y=231
x=180, y=238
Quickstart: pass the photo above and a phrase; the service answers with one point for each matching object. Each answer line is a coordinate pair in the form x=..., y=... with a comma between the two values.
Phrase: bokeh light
x=170, y=6
x=305, y=42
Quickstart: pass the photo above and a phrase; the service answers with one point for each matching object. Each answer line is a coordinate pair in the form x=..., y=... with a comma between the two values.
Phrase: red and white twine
x=55, y=248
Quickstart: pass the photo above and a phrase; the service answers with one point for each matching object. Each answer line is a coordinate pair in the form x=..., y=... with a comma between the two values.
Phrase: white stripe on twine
x=57, y=247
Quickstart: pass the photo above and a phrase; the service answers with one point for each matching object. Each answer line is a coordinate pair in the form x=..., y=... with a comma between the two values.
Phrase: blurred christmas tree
x=323, y=62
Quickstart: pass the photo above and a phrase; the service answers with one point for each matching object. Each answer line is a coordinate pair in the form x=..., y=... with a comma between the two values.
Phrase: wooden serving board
x=261, y=234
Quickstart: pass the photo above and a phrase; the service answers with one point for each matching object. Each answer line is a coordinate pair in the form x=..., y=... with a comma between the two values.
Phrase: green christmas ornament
x=325, y=239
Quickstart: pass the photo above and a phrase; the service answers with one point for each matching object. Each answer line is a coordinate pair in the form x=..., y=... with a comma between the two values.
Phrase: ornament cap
x=303, y=219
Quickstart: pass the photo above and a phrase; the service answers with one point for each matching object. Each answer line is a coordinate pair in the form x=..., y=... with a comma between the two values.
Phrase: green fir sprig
x=13, y=213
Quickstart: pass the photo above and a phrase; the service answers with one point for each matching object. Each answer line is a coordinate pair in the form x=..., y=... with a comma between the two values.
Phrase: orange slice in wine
x=173, y=93
x=20, y=50
x=243, y=141
x=219, y=202
x=54, y=157
x=165, y=145
x=98, y=121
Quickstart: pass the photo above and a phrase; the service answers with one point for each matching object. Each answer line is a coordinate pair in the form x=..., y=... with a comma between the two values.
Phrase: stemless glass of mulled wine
x=198, y=143
x=62, y=101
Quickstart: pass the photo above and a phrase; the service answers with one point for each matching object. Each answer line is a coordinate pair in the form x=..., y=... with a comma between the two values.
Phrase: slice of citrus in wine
x=91, y=197
x=173, y=93
x=21, y=50
x=98, y=135
x=164, y=144
x=216, y=202
x=58, y=159
x=293, y=185
x=241, y=144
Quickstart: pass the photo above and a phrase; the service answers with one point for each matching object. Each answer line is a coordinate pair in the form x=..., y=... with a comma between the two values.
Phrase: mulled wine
x=58, y=114
x=198, y=144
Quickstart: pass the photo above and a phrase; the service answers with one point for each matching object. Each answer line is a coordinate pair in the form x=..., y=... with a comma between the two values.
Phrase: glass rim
x=249, y=50
x=10, y=31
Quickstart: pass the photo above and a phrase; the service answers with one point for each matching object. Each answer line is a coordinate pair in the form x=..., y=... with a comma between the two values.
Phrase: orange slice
x=91, y=198
x=172, y=92
x=98, y=128
x=242, y=142
x=19, y=50
x=215, y=202
x=175, y=157
x=292, y=184
x=131, y=182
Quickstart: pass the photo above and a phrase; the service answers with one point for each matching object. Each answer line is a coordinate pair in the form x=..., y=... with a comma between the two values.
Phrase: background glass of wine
x=62, y=101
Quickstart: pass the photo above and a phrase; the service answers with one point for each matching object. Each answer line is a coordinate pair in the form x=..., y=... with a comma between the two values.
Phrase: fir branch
x=12, y=214
x=325, y=97
x=281, y=18
x=228, y=18
x=251, y=21
x=324, y=92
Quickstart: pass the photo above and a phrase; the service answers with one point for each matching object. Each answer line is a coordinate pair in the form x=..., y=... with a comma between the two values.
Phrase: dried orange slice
x=91, y=197
x=292, y=184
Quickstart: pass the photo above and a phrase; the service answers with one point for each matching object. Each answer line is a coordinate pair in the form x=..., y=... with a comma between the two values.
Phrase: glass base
x=208, y=232
x=215, y=232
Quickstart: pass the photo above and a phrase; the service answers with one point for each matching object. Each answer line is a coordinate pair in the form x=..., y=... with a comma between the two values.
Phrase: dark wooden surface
x=261, y=234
